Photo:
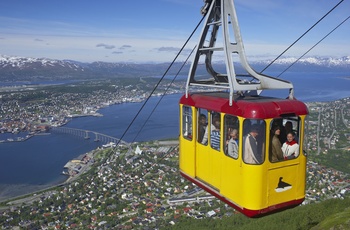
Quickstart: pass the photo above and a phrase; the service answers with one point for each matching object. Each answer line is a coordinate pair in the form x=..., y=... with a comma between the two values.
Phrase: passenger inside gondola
x=250, y=152
x=214, y=117
x=290, y=148
x=215, y=135
x=276, y=146
x=202, y=124
x=232, y=144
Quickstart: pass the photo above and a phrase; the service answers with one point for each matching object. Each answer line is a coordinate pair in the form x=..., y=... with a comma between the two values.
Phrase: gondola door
x=286, y=183
x=203, y=166
x=231, y=161
x=187, y=141
x=209, y=148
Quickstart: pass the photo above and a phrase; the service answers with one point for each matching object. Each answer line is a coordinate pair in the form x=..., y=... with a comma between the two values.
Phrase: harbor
x=78, y=165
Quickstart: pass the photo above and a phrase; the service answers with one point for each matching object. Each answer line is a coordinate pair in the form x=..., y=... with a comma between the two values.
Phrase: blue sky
x=154, y=31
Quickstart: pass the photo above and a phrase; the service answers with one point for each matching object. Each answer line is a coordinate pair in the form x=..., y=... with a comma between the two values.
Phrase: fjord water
x=39, y=161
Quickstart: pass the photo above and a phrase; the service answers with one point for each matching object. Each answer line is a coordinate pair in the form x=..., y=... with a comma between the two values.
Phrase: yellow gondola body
x=252, y=189
x=232, y=140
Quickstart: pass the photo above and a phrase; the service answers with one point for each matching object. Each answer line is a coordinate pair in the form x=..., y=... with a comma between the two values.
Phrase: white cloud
x=125, y=47
x=106, y=46
x=262, y=35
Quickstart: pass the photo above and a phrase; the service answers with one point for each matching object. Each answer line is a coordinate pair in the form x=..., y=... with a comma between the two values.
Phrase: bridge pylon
x=86, y=137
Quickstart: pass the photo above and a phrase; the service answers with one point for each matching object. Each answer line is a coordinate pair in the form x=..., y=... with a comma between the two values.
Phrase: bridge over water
x=87, y=134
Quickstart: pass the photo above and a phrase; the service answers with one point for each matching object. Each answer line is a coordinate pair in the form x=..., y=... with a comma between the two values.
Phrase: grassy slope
x=330, y=214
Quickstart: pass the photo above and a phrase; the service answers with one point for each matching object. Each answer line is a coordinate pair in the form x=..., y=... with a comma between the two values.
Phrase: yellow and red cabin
x=231, y=137
x=253, y=188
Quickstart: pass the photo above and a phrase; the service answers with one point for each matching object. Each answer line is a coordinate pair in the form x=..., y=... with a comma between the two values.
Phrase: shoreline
x=9, y=192
x=13, y=191
x=69, y=118
x=18, y=139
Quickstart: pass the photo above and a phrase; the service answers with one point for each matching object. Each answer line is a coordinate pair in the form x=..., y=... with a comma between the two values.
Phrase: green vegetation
x=330, y=214
x=329, y=147
x=337, y=159
x=336, y=221
x=103, y=154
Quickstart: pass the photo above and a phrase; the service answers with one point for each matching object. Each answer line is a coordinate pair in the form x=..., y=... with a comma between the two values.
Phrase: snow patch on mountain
x=22, y=62
x=319, y=61
x=28, y=62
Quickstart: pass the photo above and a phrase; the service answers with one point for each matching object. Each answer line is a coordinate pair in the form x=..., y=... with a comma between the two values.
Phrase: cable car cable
x=301, y=36
x=314, y=46
x=147, y=99
x=166, y=90
x=203, y=11
x=165, y=155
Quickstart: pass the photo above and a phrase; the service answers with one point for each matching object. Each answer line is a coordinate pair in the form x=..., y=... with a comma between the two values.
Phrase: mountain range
x=14, y=68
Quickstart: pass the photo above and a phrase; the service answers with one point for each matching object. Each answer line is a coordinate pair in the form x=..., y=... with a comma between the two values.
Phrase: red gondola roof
x=254, y=107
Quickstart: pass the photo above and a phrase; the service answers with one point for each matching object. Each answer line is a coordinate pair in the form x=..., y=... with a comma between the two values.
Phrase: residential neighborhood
x=138, y=186
x=33, y=108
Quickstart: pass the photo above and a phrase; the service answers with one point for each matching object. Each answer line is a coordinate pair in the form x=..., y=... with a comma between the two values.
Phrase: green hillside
x=329, y=214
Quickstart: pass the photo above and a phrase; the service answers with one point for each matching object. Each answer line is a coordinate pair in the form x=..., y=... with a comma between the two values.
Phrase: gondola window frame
x=187, y=119
x=228, y=127
x=260, y=139
x=204, y=112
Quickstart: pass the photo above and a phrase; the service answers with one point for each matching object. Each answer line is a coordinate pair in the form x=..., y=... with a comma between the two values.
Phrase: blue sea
x=39, y=161
x=311, y=87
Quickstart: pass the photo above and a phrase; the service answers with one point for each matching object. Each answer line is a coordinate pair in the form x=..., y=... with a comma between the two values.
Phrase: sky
x=154, y=31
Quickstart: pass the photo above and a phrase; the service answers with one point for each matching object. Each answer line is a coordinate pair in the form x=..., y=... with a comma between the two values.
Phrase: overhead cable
x=160, y=80
x=166, y=90
x=302, y=36
x=314, y=45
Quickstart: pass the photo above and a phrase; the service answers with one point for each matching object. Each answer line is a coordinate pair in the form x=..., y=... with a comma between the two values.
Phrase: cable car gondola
x=229, y=132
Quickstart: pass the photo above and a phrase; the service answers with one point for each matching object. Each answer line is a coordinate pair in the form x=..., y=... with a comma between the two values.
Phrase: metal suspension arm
x=221, y=14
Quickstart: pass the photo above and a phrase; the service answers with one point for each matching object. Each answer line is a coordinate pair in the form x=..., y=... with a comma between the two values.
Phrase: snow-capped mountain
x=7, y=62
x=319, y=61
x=24, y=68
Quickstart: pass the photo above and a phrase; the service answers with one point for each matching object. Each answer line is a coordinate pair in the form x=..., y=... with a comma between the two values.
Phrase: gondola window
x=187, y=122
x=231, y=141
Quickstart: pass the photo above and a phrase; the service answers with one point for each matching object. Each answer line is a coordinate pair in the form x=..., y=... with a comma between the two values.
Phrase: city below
x=133, y=185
